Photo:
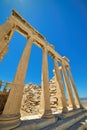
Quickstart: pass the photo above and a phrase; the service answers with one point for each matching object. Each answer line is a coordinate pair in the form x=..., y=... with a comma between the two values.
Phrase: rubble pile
x=31, y=98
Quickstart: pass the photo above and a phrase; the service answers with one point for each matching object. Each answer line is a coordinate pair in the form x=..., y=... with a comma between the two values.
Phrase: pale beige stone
x=45, y=96
x=59, y=86
x=71, y=101
x=77, y=100
x=11, y=112
x=12, y=115
x=15, y=95
x=6, y=32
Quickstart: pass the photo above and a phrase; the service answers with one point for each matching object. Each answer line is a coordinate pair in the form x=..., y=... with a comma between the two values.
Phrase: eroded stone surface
x=31, y=98
x=34, y=99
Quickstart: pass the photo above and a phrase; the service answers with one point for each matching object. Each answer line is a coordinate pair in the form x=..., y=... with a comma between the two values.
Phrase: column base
x=64, y=110
x=9, y=121
x=47, y=114
x=74, y=107
x=81, y=106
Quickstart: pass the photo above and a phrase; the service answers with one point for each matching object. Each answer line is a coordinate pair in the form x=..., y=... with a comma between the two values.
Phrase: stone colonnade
x=11, y=110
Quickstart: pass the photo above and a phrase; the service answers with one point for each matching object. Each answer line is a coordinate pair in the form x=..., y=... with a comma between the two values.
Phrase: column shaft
x=70, y=96
x=14, y=100
x=45, y=96
x=74, y=88
x=60, y=90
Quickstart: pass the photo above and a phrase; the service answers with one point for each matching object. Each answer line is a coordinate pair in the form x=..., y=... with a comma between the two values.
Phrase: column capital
x=55, y=58
x=68, y=67
x=44, y=47
x=30, y=38
x=65, y=58
x=60, y=68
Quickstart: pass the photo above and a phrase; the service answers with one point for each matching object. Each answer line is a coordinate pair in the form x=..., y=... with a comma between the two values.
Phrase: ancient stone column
x=13, y=104
x=77, y=100
x=59, y=87
x=70, y=96
x=45, y=109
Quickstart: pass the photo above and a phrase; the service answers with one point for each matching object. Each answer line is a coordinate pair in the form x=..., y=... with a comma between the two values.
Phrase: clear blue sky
x=63, y=23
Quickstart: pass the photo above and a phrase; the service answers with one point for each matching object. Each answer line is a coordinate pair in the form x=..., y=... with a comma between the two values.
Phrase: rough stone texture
x=10, y=117
x=53, y=95
x=31, y=98
x=6, y=31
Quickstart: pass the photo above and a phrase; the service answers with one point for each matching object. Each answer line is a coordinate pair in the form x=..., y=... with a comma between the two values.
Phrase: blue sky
x=63, y=23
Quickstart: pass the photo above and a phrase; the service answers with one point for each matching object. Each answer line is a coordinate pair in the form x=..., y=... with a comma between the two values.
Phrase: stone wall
x=31, y=98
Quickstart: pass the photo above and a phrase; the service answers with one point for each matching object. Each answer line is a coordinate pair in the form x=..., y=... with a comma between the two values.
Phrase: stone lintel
x=19, y=17
x=27, y=30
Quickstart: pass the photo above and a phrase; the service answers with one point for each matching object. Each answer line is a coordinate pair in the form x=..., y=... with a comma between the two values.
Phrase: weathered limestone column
x=77, y=100
x=59, y=87
x=13, y=104
x=70, y=96
x=45, y=109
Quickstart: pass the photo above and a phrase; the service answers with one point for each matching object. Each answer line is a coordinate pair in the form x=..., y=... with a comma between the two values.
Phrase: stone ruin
x=31, y=98
x=44, y=100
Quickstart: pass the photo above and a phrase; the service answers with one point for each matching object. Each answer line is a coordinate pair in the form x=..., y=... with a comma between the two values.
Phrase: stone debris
x=31, y=98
